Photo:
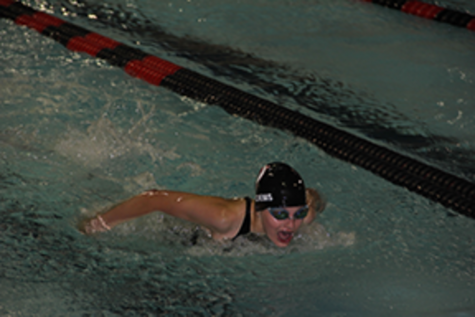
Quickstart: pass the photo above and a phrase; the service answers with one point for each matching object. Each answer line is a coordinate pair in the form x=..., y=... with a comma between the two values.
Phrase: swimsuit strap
x=246, y=224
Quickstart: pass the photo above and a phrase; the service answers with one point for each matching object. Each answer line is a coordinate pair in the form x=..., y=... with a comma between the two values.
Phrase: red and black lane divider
x=430, y=11
x=447, y=189
x=135, y=62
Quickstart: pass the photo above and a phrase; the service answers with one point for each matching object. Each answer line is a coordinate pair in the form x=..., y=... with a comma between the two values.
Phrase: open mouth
x=285, y=236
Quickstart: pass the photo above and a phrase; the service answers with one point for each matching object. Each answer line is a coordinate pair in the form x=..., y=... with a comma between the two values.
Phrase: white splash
x=101, y=143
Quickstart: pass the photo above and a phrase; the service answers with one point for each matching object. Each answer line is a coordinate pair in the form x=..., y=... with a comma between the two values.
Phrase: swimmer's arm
x=316, y=204
x=210, y=212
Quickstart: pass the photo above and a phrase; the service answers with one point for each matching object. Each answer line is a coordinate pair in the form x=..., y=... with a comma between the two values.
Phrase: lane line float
x=430, y=11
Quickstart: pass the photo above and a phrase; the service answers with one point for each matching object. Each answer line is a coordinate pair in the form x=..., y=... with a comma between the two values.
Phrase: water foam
x=102, y=143
x=190, y=239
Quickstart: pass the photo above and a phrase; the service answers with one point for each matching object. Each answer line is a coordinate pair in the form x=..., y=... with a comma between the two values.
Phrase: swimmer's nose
x=290, y=224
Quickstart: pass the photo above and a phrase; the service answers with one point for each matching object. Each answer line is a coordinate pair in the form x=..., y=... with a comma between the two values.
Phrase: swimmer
x=281, y=205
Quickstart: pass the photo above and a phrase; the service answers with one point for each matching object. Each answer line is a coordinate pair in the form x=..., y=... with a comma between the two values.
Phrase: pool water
x=78, y=135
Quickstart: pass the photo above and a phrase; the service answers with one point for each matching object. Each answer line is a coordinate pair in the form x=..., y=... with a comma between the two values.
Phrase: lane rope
x=430, y=11
x=437, y=185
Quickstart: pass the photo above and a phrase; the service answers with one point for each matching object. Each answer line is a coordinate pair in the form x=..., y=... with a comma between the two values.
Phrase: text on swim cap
x=263, y=197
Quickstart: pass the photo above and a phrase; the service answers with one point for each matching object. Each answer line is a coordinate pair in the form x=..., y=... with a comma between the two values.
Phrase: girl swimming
x=281, y=205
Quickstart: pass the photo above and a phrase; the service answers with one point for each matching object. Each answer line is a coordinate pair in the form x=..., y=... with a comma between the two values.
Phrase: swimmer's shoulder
x=228, y=223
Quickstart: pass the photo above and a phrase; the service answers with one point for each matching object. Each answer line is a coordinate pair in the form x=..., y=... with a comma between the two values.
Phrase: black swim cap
x=279, y=185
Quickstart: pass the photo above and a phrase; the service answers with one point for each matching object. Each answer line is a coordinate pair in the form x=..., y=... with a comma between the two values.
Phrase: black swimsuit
x=246, y=224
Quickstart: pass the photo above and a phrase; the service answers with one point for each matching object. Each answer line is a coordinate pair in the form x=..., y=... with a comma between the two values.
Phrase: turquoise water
x=78, y=135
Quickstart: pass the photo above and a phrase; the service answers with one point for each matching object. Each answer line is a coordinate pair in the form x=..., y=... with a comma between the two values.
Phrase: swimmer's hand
x=94, y=225
x=316, y=204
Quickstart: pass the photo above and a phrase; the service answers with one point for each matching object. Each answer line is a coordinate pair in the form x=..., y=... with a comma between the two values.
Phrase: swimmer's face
x=281, y=232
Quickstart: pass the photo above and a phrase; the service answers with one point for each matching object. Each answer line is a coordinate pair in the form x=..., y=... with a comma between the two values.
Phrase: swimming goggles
x=280, y=213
